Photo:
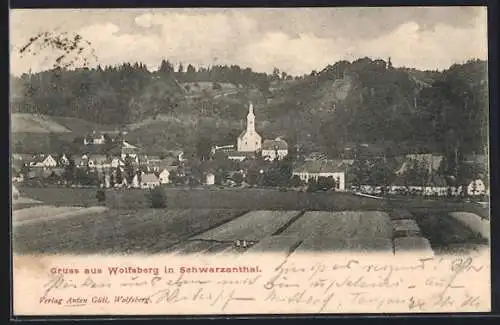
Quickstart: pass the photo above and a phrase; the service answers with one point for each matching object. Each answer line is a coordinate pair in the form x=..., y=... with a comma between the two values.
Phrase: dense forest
x=364, y=101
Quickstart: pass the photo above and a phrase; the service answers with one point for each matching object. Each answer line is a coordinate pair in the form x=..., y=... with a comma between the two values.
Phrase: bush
x=101, y=196
x=157, y=197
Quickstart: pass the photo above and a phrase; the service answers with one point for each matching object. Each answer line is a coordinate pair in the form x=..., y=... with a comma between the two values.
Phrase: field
x=214, y=221
x=36, y=123
x=115, y=231
x=248, y=199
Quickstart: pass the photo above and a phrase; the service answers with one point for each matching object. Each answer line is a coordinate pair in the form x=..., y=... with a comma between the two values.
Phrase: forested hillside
x=365, y=101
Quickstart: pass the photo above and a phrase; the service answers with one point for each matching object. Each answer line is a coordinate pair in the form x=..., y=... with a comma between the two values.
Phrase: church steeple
x=249, y=140
x=250, y=119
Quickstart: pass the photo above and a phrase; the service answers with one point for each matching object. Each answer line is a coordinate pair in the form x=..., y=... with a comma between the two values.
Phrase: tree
x=157, y=198
x=238, y=178
x=129, y=169
x=70, y=170
x=295, y=181
x=166, y=67
x=119, y=176
x=360, y=171
x=381, y=174
x=101, y=196
x=325, y=183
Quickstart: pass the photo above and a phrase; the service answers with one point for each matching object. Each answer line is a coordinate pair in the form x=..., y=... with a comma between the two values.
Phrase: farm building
x=210, y=179
x=46, y=161
x=322, y=168
x=272, y=149
x=149, y=180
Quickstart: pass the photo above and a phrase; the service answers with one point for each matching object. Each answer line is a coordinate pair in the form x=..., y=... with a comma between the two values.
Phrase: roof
x=39, y=158
x=125, y=144
x=128, y=150
x=149, y=178
x=168, y=169
x=477, y=159
x=240, y=153
x=277, y=144
x=98, y=157
x=320, y=166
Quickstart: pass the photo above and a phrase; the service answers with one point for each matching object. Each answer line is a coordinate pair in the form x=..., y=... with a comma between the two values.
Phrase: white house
x=210, y=179
x=149, y=180
x=476, y=187
x=249, y=140
x=239, y=156
x=226, y=148
x=135, y=181
x=94, y=138
x=97, y=161
x=117, y=162
x=322, y=168
x=272, y=149
x=130, y=150
x=46, y=161
x=164, y=176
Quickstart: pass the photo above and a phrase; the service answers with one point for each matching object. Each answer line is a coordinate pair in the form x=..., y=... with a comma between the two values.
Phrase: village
x=109, y=161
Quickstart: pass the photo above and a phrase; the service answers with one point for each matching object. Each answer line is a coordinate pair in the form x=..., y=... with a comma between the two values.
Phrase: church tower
x=249, y=140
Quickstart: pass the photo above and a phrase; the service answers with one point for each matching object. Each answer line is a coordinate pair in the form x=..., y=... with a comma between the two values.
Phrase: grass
x=23, y=122
x=118, y=231
x=59, y=196
x=446, y=234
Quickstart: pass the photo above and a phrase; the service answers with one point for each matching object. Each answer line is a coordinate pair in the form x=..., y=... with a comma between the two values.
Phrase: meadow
x=212, y=220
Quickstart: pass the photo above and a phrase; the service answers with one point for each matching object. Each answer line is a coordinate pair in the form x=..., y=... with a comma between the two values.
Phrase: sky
x=295, y=40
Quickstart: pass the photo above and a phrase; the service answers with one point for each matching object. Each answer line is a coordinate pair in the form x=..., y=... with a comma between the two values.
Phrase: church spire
x=250, y=109
x=250, y=119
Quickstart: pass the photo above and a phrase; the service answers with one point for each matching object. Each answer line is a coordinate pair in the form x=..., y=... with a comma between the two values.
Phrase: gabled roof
x=320, y=166
x=125, y=144
x=277, y=144
x=98, y=158
x=240, y=153
x=149, y=178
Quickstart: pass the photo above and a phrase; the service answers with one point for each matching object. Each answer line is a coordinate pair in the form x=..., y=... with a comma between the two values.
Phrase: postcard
x=249, y=161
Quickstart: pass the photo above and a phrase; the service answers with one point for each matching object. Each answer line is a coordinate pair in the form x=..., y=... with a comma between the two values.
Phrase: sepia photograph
x=250, y=160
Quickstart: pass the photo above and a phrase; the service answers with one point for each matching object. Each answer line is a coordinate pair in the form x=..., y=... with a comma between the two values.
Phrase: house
x=274, y=149
x=210, y=179
x=164, y=176
x=149, y=180
x=226, y=148
x=322, y=168
x=240, y=155
x=476, y=187
x=117, y=162
x=316, y=156
x=81, y=161
x=63, y=160
x=177, y=154
x=130, y=150
x=45, y=161
x=429, y=160
x=17, y=177
x=98, y=161
x=95, y=138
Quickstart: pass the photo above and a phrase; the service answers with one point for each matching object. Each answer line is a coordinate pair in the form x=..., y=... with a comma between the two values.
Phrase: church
x=249, y=143
x=249, y=140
